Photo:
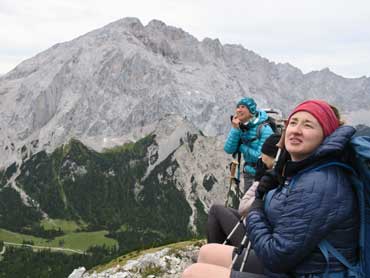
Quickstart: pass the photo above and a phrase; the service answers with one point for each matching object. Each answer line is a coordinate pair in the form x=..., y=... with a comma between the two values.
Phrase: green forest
x=92, y=198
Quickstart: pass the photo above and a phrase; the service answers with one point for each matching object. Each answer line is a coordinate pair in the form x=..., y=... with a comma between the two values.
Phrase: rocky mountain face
x=154, y=191
x=114, y=83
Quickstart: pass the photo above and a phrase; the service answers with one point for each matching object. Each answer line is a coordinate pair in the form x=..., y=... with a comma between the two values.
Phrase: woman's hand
x=235, y=122
x=248, y=199
x=268, y=182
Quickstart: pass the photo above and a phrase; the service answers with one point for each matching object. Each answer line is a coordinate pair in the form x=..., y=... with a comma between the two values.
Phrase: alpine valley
x=113, y=142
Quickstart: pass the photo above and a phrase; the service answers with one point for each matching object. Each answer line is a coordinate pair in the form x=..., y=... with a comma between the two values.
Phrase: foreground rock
x=166, y=263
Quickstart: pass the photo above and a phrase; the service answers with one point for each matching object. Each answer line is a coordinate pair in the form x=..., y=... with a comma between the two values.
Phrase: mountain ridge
x=126, y=76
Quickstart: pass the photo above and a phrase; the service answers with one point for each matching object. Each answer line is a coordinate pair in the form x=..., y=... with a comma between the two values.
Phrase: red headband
x=322, y=112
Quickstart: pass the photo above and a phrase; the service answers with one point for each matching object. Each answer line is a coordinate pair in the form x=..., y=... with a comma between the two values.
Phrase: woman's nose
x=296, y=128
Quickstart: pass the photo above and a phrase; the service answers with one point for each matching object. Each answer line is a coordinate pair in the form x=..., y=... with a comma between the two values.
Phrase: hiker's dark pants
x=253, y=268
x=221, y=221
x=248, y=181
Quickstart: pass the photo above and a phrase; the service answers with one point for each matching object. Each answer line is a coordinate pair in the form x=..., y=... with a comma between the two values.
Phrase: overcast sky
x=309, y=34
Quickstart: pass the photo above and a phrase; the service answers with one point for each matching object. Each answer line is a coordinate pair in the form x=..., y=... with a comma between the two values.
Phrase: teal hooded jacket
x=247, y=142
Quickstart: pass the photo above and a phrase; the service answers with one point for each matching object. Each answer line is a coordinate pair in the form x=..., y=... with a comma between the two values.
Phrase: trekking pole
x=239, y=251
x=245, y=256
x=280, y=146
x=276, y=157
x=227, y=240
x=233, y=166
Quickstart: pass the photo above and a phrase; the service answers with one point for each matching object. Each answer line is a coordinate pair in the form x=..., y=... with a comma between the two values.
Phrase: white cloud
x=310, y=34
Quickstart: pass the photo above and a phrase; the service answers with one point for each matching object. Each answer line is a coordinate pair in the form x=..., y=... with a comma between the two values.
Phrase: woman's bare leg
x=216, y=254
x=201, y=270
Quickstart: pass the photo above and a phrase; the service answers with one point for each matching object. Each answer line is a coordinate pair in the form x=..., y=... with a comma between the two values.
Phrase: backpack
x=274, y=120
x=359, y=169
x=360, y=177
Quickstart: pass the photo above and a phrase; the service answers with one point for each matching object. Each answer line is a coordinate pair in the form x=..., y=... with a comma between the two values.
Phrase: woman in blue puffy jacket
x=306, y=208
x=247, y=135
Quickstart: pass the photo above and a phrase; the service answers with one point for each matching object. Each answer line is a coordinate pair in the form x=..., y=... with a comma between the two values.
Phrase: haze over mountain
x=114, y=83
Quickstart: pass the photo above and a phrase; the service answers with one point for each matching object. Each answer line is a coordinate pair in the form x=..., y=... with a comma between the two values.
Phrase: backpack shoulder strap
x=259, y=128
x=326, y=248
x=316, y=168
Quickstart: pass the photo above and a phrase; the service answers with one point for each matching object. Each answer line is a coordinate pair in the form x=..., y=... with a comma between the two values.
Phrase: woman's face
x=303, y=135
x=243, y=113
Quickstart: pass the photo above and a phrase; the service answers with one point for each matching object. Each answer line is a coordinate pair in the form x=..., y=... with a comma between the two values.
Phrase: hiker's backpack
x=359, y=169
x=360, y=178
x=275, y=121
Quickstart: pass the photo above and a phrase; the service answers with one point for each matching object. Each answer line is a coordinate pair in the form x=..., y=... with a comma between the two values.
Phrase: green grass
x=65, y=225
x=119, y=149
x=15, y=237
x=77, y=241
x=84, y=240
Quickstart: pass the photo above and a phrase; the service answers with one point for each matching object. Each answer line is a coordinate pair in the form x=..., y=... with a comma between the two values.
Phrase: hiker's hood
x=335, y=143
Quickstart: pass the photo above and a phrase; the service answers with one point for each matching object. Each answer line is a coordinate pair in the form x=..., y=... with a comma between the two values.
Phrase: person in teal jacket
x=247, y=135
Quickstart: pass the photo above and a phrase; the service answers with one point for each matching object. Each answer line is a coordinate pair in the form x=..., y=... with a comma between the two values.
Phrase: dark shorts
x=237, y=274
x=248, y=180
x=252, y=268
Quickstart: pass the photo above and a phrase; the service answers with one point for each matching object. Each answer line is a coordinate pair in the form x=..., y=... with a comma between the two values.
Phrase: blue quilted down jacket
x=321, y=205
x=251, y=149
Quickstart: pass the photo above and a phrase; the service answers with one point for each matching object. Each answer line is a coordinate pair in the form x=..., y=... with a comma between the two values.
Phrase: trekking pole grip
x=233, y=166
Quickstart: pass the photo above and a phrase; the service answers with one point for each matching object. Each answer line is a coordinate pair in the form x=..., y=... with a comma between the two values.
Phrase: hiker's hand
x=247, y=200
x=267, y=183
x=235, y=121
x=256, y=205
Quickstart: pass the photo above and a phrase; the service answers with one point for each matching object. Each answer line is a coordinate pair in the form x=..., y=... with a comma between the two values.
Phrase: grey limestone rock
x=125, y=76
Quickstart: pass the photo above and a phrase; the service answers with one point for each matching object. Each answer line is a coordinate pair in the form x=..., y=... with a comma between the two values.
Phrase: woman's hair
x=337, y=114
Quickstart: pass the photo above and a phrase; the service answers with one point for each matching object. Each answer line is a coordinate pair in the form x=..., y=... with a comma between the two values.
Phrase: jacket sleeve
x=308, y=213
x=247, y=200
x=232, y=141
x=254, y=153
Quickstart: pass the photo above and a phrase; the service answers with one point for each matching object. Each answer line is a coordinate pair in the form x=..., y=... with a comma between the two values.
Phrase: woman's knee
x=187, y=272
x=200, y=270
x=205, y=252
x=191, y=271
x=216, y=254
x=213, y=210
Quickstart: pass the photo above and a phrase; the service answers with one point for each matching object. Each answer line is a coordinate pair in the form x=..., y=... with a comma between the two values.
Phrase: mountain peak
x=125, y=77
x=130, y=23
x=155, y=23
